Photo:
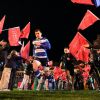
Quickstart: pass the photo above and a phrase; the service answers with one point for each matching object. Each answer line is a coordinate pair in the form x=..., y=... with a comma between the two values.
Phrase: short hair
x=13, y=52
x=36, y=30
x=66, y=48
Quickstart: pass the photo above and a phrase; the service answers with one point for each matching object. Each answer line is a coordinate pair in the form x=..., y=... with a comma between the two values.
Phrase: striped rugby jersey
x=40, y=51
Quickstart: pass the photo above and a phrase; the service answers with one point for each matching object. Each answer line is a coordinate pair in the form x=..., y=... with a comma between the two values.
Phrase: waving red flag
x=25, y=31
x=78, y=41
x=74, y=45
x=88, y=20
x=86, y=2
x=83, y=54
x=25, y=51
x=2, y=23
x=13, y=36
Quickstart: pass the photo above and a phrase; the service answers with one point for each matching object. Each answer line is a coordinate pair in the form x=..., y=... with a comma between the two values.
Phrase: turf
x=53, y=95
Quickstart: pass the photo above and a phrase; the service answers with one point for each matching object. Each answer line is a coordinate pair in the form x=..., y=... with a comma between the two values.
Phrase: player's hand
x=37, y=43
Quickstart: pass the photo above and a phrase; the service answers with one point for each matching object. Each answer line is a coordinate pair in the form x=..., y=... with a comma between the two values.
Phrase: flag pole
x=9, y=28
x=4, y=30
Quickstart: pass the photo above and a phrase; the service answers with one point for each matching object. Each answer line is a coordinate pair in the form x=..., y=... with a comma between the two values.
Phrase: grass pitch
x=53, y=95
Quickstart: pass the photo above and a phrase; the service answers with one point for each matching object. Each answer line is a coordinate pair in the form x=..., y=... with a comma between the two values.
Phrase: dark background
x=58, y=21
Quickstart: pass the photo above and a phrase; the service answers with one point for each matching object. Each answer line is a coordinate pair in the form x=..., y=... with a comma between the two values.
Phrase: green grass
x=47, y=95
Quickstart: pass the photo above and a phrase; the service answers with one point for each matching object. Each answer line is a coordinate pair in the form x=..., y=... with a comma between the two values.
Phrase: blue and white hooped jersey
x=40, y=51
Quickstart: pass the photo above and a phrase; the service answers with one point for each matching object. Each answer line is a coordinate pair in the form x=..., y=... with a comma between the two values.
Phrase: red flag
x=25, y=51
x=76, y=43
x=13, y=36
x=87, y=2
x=57, y=72
x=63, y=76
x=2, y=23
x=88, y=20
x=83, y=54
x=25, y=31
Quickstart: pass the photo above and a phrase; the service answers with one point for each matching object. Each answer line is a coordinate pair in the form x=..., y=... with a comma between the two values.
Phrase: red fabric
x=57, y=72
x=25, y=32
x=63, y=76
x=88, y=20
x=2, y=24
x=87, y=2
x=76, y=43
x=18, y=85
x=83, y=54
x=25, y=51
x=13, y=36
x=85, y=74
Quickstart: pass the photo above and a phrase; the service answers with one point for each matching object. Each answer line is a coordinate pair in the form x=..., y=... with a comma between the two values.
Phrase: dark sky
x=58, y=20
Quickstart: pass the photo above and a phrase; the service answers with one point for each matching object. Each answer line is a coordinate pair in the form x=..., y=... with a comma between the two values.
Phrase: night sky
x=57, y=19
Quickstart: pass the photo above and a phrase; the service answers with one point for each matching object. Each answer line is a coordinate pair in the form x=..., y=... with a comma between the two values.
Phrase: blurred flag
x=63, y=76
x=13, y=36
x=25, y=50
x=83, y=54
x=2, y=23
x=25, y=32
x=74, y=45
x=86, y=2
x=78, y=41
x=97, y=3
x=57, y=72
x=87, y=20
